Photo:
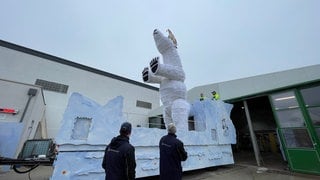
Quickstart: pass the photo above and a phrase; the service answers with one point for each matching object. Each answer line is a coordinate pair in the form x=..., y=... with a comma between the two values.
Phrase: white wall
x=258, y=84
x=23, y=67
x=15, y=96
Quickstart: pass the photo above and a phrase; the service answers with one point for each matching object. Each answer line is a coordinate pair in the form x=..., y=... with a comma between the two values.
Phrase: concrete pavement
x=230, y=172
x=245, y=172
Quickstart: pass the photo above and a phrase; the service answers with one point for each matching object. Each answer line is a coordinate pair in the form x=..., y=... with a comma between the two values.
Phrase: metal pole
x=31, y=93
x=25, y=109
x=252, y=135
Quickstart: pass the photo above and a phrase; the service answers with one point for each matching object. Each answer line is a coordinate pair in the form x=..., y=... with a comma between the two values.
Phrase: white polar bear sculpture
x=170, y=76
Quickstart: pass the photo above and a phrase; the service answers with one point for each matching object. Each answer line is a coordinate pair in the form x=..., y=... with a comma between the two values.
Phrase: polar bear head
x=163, y=43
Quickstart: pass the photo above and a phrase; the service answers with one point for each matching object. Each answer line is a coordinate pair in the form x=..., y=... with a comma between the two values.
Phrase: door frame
x=298, y=156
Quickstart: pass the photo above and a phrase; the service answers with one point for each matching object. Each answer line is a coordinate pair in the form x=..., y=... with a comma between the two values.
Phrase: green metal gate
x=297, y=114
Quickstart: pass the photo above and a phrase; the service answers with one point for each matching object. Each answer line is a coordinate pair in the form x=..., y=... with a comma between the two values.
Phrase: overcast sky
x=218, y=40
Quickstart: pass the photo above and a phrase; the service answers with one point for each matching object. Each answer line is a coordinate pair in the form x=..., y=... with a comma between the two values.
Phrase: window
x=297, y=138
x=144, y=104
x=285, y=100
x=290, y=118
x=312, y=103
x=311, y=96
x=81, y=128
x=287, y=110
x=214, y=134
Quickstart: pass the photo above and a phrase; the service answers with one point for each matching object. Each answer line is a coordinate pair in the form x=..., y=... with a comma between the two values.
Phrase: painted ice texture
x=87, y=127
x=10, y=136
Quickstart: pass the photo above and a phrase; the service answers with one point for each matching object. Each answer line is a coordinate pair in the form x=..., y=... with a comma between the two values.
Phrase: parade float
x=87, y=126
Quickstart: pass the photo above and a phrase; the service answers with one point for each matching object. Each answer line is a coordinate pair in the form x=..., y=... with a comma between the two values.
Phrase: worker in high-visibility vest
x=215, y=95
x=202, y=97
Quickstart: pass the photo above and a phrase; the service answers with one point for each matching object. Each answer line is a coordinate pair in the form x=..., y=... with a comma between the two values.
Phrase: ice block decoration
x=87, y=127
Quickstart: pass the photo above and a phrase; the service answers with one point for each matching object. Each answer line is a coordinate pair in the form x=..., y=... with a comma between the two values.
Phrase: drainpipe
x=252, y=135
x=31, y=93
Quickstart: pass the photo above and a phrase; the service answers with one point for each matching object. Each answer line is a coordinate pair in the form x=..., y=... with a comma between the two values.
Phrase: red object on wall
x=8, y=111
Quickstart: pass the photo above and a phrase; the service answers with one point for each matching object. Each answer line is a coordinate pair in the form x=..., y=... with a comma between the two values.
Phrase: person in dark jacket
x=172, y=152
x=119, y=157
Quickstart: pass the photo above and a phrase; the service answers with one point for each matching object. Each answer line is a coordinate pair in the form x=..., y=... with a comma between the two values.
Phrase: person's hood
x=118, y=141
x=171, y=134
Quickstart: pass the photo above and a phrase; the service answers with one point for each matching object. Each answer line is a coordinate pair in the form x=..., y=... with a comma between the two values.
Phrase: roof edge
x=70, y=63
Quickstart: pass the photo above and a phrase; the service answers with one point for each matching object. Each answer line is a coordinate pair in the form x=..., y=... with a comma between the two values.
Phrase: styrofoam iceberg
x=87, y=127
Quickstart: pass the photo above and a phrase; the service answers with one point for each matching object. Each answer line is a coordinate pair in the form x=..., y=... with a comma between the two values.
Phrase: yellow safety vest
x=216, y=97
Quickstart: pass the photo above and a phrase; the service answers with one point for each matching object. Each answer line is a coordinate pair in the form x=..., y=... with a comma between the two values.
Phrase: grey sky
x=218, y=40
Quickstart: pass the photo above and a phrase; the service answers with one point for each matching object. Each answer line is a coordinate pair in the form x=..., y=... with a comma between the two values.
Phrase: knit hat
x=171, y=128
x=125, y=128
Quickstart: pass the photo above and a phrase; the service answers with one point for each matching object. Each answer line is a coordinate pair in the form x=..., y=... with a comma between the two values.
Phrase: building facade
x=276, y=113
x=59, y=78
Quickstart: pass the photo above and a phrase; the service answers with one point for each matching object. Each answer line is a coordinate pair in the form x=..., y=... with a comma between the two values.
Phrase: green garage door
x=297, y=113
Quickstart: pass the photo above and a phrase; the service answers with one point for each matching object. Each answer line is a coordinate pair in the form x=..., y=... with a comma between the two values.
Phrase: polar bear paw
x=154, y=64
x=145, y=74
